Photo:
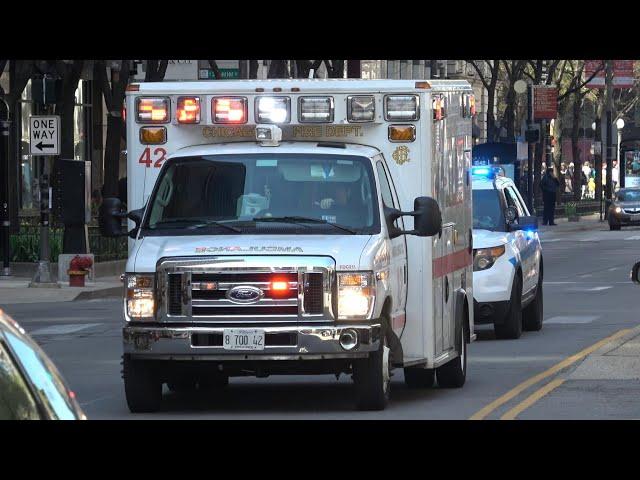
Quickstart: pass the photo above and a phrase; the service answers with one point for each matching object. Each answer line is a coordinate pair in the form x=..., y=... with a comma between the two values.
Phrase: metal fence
x=25, y=245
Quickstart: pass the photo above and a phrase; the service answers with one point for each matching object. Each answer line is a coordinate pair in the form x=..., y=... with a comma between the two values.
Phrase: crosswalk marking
x=63, y=329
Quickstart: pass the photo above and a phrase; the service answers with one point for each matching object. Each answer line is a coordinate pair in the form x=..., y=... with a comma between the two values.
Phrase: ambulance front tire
x=142, y=386
x=419, y=377
x=372, y=378
x=453, y=374
x=511, y=327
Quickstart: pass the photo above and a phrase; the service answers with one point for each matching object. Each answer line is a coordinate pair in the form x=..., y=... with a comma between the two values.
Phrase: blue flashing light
x=482, y=172
x=530, y=234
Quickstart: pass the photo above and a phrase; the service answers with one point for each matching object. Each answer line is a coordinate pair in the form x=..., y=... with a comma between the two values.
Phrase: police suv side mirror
x=427, y=219
x=110, y=218
x=635, y=273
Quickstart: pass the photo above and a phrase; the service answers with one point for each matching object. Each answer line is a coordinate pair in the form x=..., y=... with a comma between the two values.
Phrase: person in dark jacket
x=549, y=186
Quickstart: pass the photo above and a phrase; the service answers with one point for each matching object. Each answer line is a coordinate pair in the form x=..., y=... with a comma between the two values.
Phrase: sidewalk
x=587, y=222
x=16, y=290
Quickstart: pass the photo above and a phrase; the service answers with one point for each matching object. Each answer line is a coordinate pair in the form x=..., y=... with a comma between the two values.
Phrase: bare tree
x=156, y=70
x=489, y=78
x=303, y=67
x=69, y=73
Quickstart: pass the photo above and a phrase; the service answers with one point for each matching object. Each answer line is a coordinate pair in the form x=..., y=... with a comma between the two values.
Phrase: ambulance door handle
x=405, y=273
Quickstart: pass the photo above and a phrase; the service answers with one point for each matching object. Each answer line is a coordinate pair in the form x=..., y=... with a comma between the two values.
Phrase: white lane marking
x=63, y=329
x=635, y=237
x=597, y=289
x=551, y=240
x=568, y=319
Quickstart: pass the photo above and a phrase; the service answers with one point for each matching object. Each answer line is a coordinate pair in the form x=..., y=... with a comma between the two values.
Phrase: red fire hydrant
x=79, y=267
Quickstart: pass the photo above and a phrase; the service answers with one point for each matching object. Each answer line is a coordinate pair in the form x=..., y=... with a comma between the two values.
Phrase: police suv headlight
x=140, y=297
x=356, y=295
x=484, y=258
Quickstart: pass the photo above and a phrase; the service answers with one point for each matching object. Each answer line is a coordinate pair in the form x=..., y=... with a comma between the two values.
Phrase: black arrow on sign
x=41, y=145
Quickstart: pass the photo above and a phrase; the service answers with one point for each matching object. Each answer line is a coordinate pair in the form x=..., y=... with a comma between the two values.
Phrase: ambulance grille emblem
x=401, y=154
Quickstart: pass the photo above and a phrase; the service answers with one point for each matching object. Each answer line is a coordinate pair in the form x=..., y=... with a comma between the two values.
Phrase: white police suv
x=507, y=257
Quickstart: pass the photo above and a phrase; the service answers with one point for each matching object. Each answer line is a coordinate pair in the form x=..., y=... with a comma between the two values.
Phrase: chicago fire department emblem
x=401, y=154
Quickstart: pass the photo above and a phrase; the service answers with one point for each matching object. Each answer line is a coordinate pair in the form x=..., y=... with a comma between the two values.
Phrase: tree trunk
x=112, y=156
x=491, y=119
x=253, y=69
x=575, y=151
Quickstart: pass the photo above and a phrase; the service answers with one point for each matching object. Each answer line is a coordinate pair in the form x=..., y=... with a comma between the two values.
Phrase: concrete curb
x=610, y=346
x=110, y=292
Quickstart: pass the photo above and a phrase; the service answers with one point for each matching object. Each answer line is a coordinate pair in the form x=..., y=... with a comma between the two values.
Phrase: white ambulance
x=296, y=227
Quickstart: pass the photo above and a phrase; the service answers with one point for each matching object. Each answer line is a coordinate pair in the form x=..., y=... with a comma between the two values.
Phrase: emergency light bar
x=152, y=109
x=399, y=108
x=315, y=109
x=361, y=108
x=229, y=110
x=273, y=109
x=188, y=110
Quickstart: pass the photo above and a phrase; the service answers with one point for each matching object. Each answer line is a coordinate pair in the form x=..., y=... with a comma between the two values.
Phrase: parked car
x=625, y=208
x=31, y=388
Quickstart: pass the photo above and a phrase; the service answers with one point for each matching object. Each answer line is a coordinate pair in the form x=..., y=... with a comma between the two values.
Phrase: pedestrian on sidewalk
x=549, y=186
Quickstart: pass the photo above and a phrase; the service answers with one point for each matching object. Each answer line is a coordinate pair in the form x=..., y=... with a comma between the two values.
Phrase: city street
x=588, y=298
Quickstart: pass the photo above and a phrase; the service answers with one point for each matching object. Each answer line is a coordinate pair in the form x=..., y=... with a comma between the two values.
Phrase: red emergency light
x=188, y=110
x=229, y=110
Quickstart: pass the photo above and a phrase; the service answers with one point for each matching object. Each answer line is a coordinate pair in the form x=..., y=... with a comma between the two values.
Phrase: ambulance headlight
x=140, y=297
x=273, y=109
x=361, y=108
x=315, y=109
x=152, y=110
x=484, y=258
x=356, y=295
x=401, y=108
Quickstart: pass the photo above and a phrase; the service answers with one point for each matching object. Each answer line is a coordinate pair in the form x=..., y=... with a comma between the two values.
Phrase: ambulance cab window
x=385, y=188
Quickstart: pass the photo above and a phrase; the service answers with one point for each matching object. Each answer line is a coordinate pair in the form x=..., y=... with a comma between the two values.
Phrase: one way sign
x=45, y=135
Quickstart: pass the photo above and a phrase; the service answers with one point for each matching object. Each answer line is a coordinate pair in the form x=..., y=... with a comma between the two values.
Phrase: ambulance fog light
x=399, y=108
x=361, y=108
x=349, y=339
x=315, y=109
x=273, y=109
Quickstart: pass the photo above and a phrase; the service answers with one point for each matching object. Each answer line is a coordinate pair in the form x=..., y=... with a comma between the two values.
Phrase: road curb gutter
x=111, y=292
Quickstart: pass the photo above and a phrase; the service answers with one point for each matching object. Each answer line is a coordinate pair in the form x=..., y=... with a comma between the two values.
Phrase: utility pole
x=5, y=215
x=609, y=103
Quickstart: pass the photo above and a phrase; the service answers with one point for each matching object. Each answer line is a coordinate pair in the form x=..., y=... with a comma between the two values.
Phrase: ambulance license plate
x=243, y=339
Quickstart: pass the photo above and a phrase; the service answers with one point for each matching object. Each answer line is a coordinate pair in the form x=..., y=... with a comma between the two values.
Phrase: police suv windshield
x=264, y=193
x=487, y=214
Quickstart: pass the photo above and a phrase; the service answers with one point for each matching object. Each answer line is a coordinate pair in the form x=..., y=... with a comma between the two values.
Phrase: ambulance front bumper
x=281, y=343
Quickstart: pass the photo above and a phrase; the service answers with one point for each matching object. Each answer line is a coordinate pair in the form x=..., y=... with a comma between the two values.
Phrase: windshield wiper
x=297, y=219
x=201, y=223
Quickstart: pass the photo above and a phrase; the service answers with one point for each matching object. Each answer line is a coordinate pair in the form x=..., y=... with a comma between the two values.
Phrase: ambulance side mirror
x=110, y=218
x=427, y=219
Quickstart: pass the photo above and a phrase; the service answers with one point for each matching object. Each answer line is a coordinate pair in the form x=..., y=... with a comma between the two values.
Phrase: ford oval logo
x=245, y=294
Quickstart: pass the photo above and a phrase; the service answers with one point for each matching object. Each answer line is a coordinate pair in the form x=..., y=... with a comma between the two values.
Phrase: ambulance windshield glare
x=314, y=194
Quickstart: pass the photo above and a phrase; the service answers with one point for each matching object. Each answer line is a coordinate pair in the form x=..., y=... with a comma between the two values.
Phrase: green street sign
x=229, y=73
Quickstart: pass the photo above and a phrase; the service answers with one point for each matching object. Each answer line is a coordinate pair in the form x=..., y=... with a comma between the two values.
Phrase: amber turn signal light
x=402, y=133
x=153, y=135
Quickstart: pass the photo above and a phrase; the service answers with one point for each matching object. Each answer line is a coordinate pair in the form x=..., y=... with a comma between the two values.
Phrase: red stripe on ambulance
x=450, y=263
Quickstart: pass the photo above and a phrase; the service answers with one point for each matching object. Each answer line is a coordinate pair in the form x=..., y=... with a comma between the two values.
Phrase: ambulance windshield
x=261, y=193
x=487, y=214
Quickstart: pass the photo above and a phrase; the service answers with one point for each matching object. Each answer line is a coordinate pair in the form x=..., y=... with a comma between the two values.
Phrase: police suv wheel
x=532, y=315
x=453, y=374
x=372, y=378
x=511, y=328
x=142, y=387
x=419, y=377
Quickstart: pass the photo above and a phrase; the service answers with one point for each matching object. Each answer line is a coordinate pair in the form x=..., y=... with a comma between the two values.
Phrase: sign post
x=44, y=136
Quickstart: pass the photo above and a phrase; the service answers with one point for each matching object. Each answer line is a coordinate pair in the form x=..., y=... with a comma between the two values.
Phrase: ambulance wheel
x=532, y=315
x=372, y=378
x=183, y=385
x=419, y=377
x=142, y=387
x=453, y=374
x=512, y=326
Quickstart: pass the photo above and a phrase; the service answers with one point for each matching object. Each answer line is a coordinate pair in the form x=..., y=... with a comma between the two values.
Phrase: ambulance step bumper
x=281, y=343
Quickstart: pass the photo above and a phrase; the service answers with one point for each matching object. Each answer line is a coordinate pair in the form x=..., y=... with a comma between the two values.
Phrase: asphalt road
x=588, y=297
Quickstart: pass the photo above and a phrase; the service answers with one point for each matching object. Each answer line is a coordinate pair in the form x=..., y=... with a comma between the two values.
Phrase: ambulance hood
x=487, y=238
x=344, y=249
